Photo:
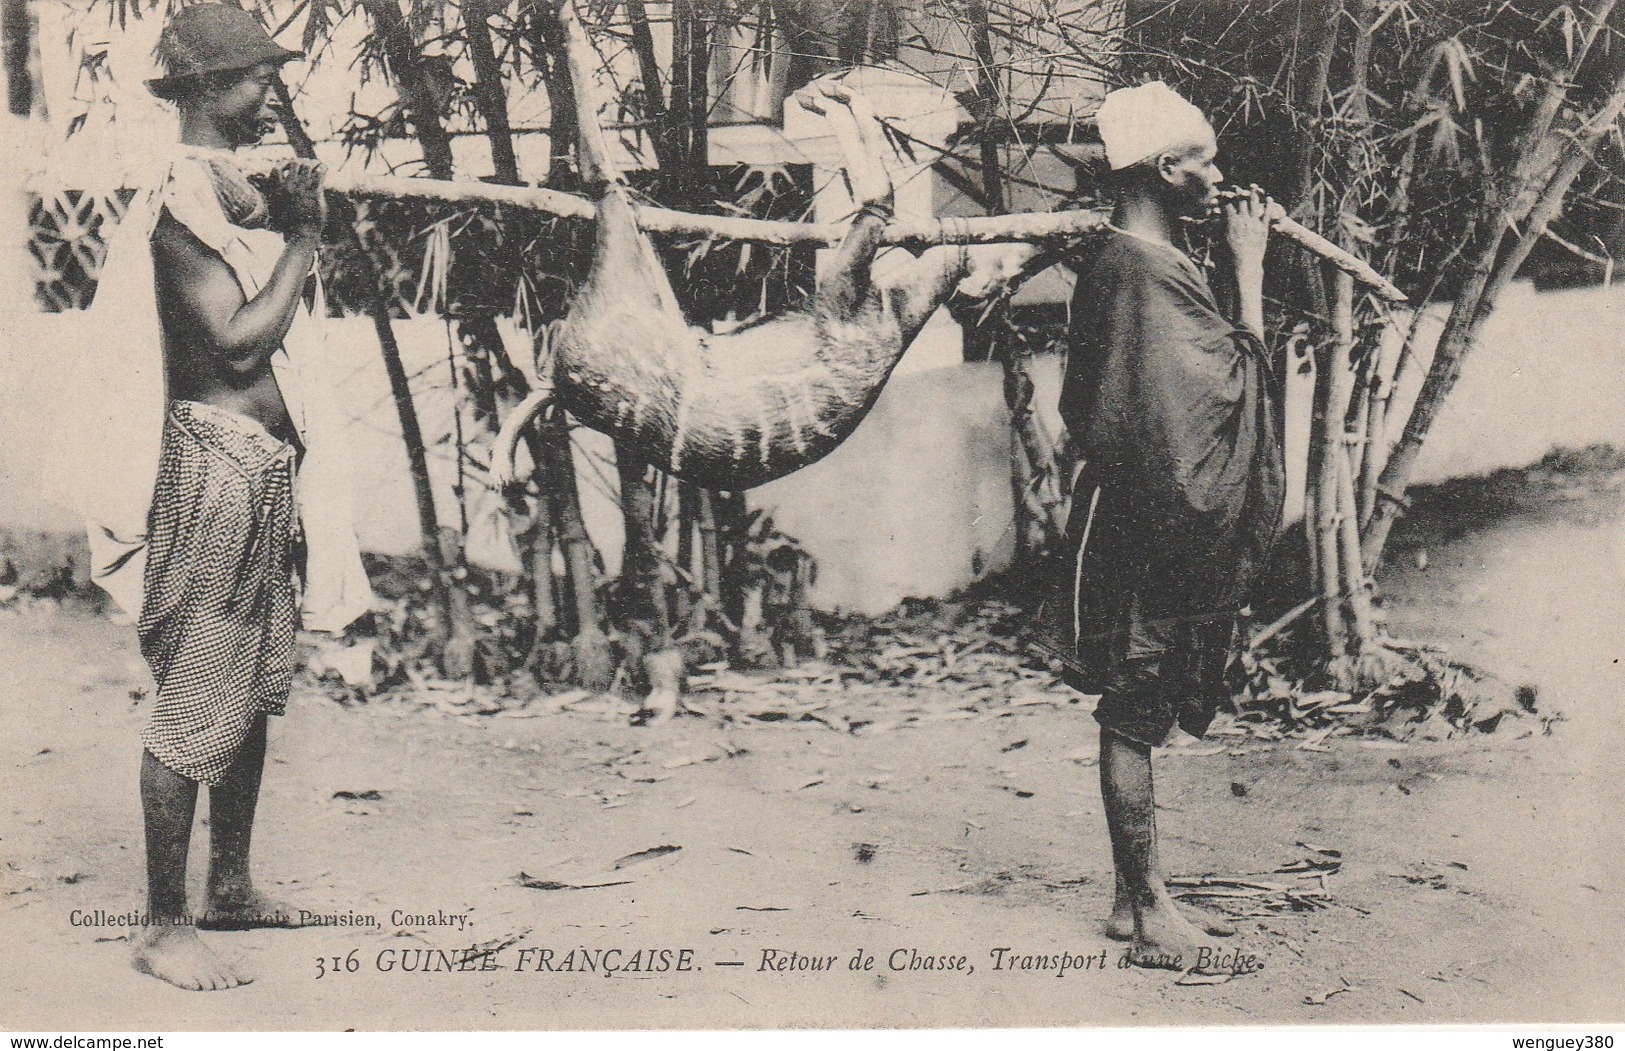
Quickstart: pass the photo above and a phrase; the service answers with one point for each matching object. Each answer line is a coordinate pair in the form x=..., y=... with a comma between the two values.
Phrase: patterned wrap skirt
x=219, y=613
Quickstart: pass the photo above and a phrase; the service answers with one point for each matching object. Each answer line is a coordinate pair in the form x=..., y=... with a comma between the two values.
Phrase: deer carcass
x=733, y=411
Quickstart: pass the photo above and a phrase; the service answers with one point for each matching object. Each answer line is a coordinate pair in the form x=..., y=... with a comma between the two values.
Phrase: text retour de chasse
x=609, y=962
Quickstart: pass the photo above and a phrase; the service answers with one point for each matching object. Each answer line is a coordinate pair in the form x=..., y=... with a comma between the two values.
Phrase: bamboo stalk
x=1378, y=391
x=595, y=667
x=1307, y=95
x=446, y=606
x=1371, y=466
x=1359, y=600
x=537, y=547
x=1360, y=401
x=488, y=89
x=1325, y=541
x=1493, y=270
x=688, y=599
x=1334, y=461
x=640, y=562
x=1311, y=520
x=546, y=34
x=710, y=552
x=406, y=63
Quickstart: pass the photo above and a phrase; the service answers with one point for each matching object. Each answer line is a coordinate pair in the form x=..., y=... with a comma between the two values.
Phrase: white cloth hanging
x=109, y=453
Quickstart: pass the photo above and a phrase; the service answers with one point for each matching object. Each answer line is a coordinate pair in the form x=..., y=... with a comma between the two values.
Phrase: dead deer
x=736, y=410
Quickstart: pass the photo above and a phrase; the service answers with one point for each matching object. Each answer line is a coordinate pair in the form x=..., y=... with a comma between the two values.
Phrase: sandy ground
x=1481, y=879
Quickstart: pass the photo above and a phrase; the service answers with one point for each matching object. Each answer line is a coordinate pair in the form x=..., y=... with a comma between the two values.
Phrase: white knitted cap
x=1136, y=123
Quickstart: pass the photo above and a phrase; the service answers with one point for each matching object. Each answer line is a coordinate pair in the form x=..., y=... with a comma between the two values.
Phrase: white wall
x=917, y=502
x=1549, y=372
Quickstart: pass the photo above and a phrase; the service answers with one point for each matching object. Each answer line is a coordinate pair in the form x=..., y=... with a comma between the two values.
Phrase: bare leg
x=234, y=904
x=169, y=947
x=1121, y=924
x=1162, y=938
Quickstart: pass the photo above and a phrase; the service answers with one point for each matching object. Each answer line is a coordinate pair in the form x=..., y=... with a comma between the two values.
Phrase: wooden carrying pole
x=919, y=233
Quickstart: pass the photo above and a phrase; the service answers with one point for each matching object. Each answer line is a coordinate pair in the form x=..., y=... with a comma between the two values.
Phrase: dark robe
x=1175, y=411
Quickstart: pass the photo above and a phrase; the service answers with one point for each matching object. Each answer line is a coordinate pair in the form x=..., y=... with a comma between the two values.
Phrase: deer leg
x=843, y=291
x=857, y=132
x=624, y=252
x=593, y=158
x=913, y=291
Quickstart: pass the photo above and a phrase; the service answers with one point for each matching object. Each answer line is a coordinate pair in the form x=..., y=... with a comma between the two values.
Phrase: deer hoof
x=665, y=671
x=834, y=89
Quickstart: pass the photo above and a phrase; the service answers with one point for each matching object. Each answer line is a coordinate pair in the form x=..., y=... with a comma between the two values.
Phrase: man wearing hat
x=207, y=397
x=1171, y=405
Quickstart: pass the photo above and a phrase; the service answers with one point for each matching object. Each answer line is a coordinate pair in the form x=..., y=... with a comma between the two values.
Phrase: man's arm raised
x=1247, y=230
x=202, y=296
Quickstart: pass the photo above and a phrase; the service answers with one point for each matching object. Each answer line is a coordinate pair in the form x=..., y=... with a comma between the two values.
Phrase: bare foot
x=1165, y=939
x=1121, y=926
x=245, y=911
x=176, y=954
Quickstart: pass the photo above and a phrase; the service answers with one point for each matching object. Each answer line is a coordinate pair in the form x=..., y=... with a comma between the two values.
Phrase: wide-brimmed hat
x=212, y=38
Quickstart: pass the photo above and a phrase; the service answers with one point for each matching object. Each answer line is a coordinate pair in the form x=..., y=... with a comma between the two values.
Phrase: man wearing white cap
x=1172, y=406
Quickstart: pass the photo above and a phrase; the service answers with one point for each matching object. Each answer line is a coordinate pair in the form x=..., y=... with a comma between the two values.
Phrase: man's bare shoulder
x=175, y=244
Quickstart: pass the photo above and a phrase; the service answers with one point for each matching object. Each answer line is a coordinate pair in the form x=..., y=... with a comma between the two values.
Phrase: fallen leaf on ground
x=693, y=759
x=1319, y=999
x=533, y=883
x=645, y=855
x=1198, y=978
